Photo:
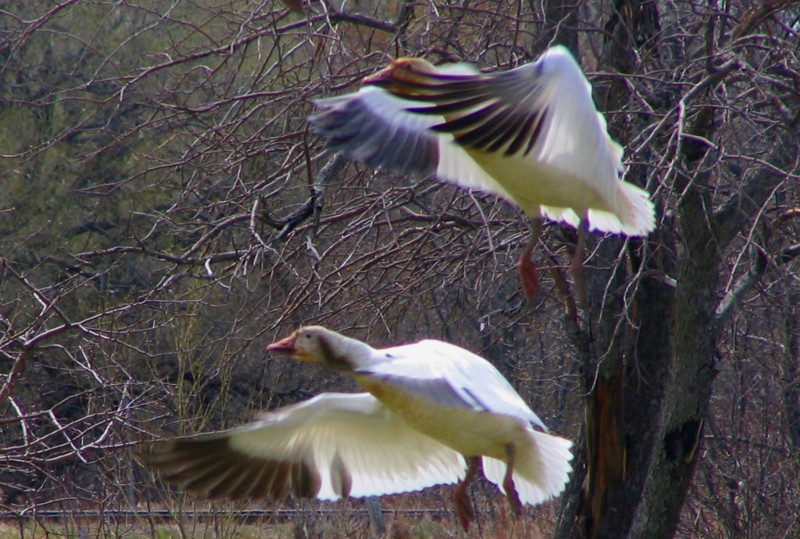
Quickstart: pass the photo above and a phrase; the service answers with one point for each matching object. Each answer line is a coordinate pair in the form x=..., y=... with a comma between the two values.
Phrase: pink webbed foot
x=529, y=276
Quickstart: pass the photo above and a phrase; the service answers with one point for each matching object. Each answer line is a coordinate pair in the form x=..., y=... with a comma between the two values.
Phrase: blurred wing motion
x=332, y=446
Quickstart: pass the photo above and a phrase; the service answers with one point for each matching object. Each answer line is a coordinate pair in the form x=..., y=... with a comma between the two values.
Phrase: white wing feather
x=381, y=453
x=475, y=380
x=576, y=141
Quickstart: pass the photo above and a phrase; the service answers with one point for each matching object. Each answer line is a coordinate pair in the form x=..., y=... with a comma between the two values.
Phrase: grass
x=339, y=526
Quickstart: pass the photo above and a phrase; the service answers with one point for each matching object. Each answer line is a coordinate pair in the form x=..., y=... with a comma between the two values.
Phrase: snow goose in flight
x=531, y=135
x=431, y=413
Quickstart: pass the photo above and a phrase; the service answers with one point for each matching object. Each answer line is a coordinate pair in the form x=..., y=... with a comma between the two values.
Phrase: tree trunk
x=622, y=346
x=651, y=358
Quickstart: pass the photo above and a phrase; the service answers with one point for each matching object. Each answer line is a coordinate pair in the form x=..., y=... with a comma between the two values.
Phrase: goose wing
x=377, y=128
x=450, y=375
x=332, y=446
x=543, y=111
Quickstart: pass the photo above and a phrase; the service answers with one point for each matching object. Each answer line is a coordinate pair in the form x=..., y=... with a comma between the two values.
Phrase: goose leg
x=508, y=481
x=527, y=269
x=461, y=499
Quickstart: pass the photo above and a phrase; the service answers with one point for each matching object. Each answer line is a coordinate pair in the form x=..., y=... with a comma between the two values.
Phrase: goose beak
x=283, y=346
x=383, y=77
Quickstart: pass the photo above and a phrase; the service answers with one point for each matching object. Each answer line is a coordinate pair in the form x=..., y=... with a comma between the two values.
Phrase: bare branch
x=758, y=266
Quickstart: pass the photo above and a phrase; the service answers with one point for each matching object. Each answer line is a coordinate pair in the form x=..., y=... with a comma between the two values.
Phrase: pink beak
x=283, y=346
x=382, y=77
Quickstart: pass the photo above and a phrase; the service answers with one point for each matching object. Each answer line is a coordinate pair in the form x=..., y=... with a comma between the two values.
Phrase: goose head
x=316, y=344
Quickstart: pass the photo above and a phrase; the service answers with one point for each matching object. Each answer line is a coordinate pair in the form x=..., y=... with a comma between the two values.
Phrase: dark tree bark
x=696, y=330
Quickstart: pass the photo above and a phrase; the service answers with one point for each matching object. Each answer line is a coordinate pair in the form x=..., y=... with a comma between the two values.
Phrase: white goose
x=531, y=135
x=431, y=412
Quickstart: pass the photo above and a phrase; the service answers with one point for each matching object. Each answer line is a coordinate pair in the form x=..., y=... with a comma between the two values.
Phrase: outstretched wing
x=334, y=445
x=450, y=375
x=377, y=128
x=538, y=119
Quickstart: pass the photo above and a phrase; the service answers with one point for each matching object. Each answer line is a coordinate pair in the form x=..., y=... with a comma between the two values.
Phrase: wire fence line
x=165, y=514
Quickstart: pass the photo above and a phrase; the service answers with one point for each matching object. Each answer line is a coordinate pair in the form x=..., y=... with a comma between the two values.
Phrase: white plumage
x=432, y=410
